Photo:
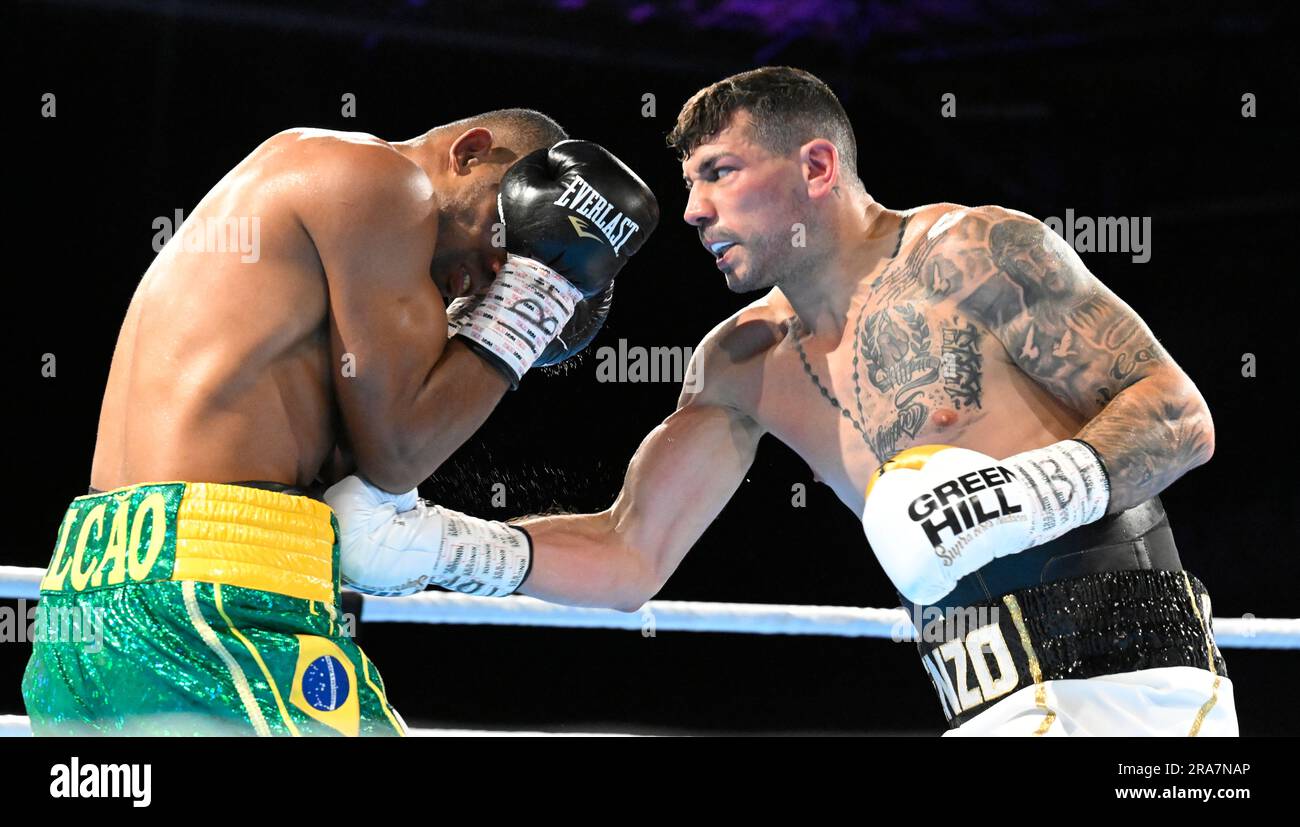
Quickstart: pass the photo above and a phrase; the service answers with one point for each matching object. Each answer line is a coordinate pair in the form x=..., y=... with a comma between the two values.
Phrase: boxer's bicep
x=679, y=479
x=1080, y=341
x=687, y=469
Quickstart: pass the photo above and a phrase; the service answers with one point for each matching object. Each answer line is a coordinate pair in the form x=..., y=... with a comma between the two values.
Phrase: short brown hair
x=788, y=107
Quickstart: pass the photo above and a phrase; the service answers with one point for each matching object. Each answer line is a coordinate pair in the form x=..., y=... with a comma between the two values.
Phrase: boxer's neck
x=864, y=234
x=429, y=152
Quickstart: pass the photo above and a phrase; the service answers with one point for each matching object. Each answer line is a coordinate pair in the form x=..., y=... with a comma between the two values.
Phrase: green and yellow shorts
x=196, y=608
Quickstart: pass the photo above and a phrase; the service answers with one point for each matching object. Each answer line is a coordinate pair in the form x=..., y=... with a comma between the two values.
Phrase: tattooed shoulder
x=1057, y=321
x=937, y=259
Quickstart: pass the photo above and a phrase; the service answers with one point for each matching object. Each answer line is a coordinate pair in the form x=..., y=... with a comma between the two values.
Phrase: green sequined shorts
x=197, y=608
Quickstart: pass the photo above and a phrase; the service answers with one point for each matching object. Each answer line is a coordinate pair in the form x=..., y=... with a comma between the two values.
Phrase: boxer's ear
x=821, y=166
x=470, y=149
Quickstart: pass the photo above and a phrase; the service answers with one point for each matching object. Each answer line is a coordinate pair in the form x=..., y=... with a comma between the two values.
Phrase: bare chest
x=906, y=372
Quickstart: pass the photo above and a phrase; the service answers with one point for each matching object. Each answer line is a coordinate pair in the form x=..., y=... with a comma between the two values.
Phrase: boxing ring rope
x=733, y=618
x=661, y=615
x=683, y=616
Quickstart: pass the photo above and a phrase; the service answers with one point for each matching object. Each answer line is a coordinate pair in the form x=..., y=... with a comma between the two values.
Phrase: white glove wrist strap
x=1067, y=487
x=480, y=557
x=525, y=308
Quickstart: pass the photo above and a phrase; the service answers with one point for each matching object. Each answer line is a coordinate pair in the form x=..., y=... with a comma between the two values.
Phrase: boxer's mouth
x=459, y=284
x=719, y=249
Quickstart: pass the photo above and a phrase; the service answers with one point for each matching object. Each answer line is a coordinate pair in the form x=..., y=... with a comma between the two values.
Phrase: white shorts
x=1173, y=700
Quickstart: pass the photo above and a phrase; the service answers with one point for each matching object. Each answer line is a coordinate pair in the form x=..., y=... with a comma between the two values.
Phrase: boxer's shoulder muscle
x=934, y=218
x=727, y=365
x=954, y=250
x=350, y=177
x=1058, y=323
x=949, y=253
x=311, y=133
x=1007, y=266
x=368, y=211
x=932, y=260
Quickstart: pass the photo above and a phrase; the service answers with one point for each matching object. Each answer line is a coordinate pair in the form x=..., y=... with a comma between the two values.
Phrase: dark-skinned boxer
x=239, y=386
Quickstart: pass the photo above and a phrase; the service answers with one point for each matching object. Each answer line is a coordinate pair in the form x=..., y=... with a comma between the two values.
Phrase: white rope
x=15, y=726
x=679, y=616
x=657, y=615
x=736, y=618
x=18, y=582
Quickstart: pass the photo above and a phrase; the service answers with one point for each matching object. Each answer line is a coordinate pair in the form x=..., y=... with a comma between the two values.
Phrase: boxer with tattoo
x=1002, y=422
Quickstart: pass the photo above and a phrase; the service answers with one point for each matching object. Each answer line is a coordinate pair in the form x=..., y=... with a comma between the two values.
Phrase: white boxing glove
x=935, y=513
x=396, y=544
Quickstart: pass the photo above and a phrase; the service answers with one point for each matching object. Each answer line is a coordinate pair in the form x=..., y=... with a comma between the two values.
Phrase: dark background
x=1096, y=106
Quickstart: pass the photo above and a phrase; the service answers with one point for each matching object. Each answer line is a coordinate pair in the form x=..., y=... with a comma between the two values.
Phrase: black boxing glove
x=588, y=319
x=578, y=210
x=573, y=214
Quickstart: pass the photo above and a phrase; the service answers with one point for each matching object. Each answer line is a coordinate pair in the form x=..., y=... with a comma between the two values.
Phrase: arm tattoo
x=1058, y=323
x=1149, y=441
x=1077, y=339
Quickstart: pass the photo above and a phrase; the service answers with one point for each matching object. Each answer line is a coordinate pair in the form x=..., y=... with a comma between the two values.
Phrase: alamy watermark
x=77, y=780
x=55, y=624
x=229, y=234
x=647, y=364
x=1105, y=234
x=932, y=624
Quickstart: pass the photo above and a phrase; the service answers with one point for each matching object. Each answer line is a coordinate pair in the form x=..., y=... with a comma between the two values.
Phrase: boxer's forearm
x=1149, y=435
x=450, y=405
x=580, y=560
x=458, y=397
